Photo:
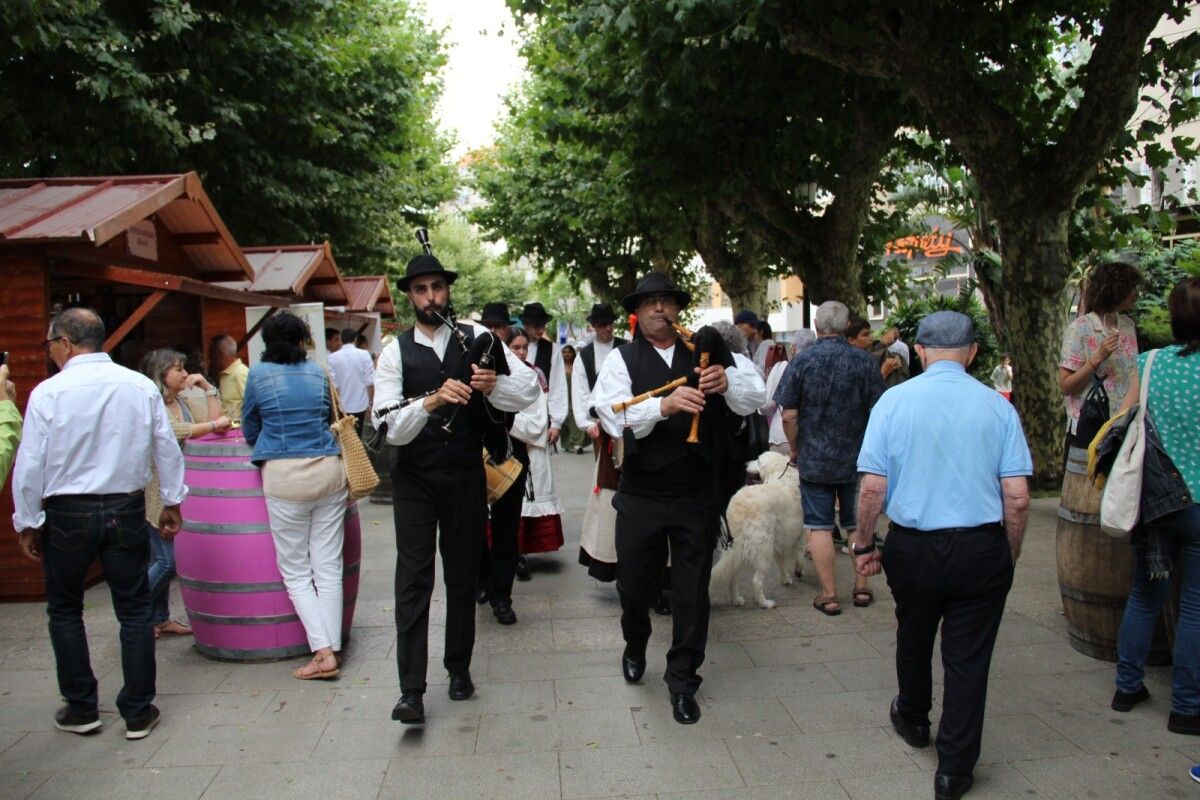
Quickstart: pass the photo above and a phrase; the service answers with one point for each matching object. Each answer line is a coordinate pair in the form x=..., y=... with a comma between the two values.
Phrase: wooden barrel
x=236, y=602
x=1095, y=570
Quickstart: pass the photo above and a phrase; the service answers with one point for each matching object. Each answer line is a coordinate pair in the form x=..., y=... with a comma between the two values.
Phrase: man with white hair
x=957, y=495
x=231, y=373
x=826, y=394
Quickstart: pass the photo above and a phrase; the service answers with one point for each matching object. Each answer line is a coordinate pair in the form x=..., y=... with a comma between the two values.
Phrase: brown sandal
x=299, y=674
x=823, y=604
x=862, y=598
x=171, y=628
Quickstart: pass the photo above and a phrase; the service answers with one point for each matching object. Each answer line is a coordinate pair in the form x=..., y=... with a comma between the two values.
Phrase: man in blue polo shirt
x=949, y=458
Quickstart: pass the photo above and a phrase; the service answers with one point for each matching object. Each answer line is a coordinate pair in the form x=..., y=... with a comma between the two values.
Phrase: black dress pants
x=648, y=528
x=500, y=561
x=428, y=503
x=959, y=580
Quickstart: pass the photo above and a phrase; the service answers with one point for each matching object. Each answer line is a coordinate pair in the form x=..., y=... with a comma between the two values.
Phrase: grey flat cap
x=946, y=329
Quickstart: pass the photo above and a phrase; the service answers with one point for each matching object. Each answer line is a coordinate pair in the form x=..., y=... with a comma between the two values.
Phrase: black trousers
x=648, y=528
x=959, y=580
x=500, y=561
x=451, y=501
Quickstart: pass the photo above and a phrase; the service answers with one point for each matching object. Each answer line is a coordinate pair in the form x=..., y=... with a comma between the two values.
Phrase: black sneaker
x=71, y=721
x=1125, y=701
x=140, y=728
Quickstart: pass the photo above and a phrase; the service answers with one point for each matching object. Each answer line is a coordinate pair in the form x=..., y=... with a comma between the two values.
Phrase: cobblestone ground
x=794, y=705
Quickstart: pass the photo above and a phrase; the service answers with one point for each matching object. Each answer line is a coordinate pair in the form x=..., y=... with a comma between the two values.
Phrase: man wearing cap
x=947, y=459
x=499, y=565
x=547, y=356
x=592, y=357
x=748, y=323
x=667, y=496
x=438, y=481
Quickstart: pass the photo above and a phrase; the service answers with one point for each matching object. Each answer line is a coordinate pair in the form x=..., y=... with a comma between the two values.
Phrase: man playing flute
x=666, y=501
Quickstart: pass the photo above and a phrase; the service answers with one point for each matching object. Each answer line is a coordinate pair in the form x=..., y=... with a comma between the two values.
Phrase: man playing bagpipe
x=670, y=402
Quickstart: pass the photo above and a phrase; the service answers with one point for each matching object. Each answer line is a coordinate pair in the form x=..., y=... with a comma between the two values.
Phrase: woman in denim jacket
x=285, y=417
x=1168, y=538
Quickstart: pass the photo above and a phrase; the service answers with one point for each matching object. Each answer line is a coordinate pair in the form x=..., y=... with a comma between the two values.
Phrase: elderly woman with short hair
x=190, y=416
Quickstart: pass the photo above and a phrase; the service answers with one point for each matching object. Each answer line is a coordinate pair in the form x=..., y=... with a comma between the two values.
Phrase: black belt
x=896, y=527
x=95, y=498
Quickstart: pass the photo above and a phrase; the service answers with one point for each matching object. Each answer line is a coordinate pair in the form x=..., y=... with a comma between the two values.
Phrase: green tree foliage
x=482, y=278
x=307, y=119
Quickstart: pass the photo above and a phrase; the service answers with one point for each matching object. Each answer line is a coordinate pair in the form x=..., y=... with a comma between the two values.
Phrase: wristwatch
x=862, y=551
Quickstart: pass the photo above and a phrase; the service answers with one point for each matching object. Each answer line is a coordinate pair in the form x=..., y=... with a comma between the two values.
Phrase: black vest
x=422, y=372
x=545, y=352
x=587, y=354
x=664, y=463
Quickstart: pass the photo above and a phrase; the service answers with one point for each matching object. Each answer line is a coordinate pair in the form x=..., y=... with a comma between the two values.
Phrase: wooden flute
x=666, y=387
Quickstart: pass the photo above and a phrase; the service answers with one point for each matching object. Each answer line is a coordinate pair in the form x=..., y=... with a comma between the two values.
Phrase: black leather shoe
x=685, y=709
x=522, y=569
x=1187, y=724
x=633, y=667
x=503, y=611
x=1125, y=701
x=915, y=734
x=951, y=787
x=409, y=709
x=481, y=597
x=461, y=687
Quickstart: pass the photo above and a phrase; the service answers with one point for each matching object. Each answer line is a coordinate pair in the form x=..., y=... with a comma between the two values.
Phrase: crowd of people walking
x=671, y=417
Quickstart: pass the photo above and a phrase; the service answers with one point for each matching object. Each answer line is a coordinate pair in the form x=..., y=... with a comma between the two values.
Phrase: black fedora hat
x=654, y=283
x=535, y=312
x=424, y=265
x=495, y=314
x=602, y=314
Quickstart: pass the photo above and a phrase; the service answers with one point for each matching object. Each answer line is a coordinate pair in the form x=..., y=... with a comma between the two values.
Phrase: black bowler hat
x=602, y=314
x=495, y=314
x=424, y=265
x=535, y=313
x=654, y=283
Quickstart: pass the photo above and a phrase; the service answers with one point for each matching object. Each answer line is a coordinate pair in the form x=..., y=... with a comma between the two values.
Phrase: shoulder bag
x=1121, y=504
x=361, y=478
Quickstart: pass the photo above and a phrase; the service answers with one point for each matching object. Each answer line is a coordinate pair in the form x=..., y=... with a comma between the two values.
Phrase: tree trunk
x=1037, y=265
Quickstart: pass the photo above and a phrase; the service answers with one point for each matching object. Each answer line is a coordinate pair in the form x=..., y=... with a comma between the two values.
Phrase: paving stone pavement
x=794, y=705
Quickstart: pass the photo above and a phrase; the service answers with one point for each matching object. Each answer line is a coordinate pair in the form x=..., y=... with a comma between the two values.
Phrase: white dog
x=766, y=523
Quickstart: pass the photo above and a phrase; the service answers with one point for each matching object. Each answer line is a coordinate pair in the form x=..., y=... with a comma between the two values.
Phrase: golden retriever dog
x=766, y=523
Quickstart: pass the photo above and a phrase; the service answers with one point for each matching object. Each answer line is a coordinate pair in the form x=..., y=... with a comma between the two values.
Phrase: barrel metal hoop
x=247, y=656
x=213, y=492
x=223, y=587
x=1064, y=513
x=218, y=619
x=218, y=450
x=220, y=527
x=219, y=466
x=1092, y=598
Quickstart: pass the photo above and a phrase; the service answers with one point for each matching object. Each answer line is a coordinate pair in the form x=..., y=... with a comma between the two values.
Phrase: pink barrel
x=225, y=558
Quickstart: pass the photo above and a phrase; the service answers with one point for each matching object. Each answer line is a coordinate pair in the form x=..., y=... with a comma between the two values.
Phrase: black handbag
x=1093, y=415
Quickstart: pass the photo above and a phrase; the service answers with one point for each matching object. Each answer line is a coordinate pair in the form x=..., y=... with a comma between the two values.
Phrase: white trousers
x=308, y=550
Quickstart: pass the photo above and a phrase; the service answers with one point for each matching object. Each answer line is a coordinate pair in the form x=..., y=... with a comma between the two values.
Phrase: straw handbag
x=361, y=479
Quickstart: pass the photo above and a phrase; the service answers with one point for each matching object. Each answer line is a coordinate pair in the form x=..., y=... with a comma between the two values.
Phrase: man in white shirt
x=591, y=359
x=90, y=433
x=547, y=356
x=424, y=387
x=667, y=496
x=354, y=375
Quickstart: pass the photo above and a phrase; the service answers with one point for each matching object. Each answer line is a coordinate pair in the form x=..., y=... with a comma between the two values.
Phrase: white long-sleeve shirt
x=581, y=390
x=92, y=429
x=513, y=392
x=557, y=378
x=744, y=395
x=352, y=372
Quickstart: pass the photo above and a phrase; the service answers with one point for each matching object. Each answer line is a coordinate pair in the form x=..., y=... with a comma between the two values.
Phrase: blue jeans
x=1145, y=603
x=78, y=529
x=818, y=501
x=162, y=569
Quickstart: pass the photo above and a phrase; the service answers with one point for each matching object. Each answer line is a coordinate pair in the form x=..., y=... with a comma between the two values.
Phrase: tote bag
x=1121, y=504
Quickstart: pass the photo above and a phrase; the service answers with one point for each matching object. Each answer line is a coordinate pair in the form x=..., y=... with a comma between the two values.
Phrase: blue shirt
x=832, y=385
x=944, y=440
x=285, y=412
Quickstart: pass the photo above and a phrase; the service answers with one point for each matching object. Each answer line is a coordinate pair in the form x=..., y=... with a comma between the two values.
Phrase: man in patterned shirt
x=826, y=395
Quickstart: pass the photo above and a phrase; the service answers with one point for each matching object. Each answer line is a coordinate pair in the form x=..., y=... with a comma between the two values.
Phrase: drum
x=236, y=602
